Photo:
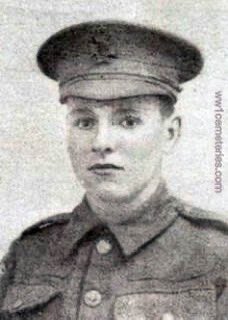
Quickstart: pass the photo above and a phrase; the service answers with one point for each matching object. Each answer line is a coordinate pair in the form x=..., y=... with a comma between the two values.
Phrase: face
x=116, y=146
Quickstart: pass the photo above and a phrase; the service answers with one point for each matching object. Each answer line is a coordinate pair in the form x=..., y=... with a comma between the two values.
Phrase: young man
x=130, y=250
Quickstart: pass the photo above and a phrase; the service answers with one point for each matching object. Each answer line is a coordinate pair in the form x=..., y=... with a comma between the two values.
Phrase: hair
x=166, y=105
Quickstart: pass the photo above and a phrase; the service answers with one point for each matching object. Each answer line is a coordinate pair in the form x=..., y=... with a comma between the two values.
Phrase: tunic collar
x=156, y=215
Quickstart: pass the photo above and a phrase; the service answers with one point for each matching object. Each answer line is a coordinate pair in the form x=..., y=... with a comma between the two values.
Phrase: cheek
x=78, y=147
x=145, y=146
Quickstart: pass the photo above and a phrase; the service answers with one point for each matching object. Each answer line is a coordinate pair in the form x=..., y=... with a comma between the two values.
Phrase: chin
x=111, y=191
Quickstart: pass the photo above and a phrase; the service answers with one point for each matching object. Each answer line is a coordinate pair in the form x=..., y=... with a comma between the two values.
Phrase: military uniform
x=171, y=263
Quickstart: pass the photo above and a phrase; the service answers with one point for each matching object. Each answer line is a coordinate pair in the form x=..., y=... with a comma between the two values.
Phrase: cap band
x=150, y=84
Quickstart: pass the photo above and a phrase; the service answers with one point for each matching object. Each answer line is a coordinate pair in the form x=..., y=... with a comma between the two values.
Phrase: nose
x=103, y=142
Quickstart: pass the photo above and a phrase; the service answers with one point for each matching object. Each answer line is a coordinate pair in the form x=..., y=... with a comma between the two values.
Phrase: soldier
x=130, y=250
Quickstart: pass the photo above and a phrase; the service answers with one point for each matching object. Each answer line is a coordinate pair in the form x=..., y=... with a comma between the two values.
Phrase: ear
x=172, y=132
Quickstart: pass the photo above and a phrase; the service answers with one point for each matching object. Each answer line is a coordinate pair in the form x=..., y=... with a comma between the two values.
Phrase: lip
x=104, y=168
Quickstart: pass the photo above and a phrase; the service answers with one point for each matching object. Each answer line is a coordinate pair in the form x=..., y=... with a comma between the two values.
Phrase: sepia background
x=36, y=179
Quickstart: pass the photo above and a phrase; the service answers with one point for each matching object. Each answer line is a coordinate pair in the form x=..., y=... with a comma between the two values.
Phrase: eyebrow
x=80, y=110
x=124, y=110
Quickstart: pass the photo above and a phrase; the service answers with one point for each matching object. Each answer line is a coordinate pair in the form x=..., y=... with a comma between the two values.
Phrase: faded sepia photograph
x=114, y=170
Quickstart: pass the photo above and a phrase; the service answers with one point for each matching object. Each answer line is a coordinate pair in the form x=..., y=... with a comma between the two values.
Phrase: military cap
x=112, y=59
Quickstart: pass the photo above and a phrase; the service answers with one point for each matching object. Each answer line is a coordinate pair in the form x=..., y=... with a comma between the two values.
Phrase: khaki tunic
x=169, y=263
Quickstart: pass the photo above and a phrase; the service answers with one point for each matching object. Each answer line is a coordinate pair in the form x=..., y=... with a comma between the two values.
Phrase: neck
x=118, y=211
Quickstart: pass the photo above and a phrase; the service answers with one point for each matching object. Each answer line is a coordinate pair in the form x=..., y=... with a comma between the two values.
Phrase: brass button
x=2, y=268
x=103, y=246
x=92, y=298
x=17, y=304
x=168, y=316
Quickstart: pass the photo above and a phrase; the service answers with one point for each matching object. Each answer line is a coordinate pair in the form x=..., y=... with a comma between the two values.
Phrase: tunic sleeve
x=7, y=266
x=222, y=302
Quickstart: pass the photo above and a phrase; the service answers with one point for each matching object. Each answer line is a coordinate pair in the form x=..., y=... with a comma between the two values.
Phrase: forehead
x=138, y=103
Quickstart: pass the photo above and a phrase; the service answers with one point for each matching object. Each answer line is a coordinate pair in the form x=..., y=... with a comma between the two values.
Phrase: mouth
x=104, y=169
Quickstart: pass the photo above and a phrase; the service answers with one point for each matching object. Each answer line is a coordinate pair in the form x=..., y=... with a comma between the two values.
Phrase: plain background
x=36, y=179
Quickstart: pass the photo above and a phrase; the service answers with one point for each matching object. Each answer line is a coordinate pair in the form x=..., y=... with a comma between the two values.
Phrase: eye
x=130, y=122
x=84, y=123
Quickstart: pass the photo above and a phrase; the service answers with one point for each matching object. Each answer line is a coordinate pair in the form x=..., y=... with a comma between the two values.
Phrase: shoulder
x=33, y=243
x=35, y=240
x=43, y=235
x=207, y=228
x=43, y=232
x=212, y=221
x=47, y=224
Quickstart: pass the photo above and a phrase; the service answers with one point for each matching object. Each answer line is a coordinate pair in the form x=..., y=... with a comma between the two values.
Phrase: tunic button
x=103, y=246
x=92, y=298
x=17, y=304
x=2, y=268
x=167, y=316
